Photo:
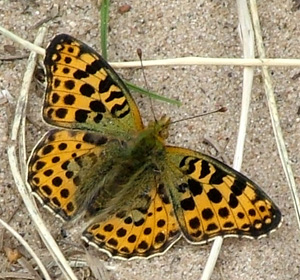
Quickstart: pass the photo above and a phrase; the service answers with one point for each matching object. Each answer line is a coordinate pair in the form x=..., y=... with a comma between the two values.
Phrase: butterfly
x=138, y=194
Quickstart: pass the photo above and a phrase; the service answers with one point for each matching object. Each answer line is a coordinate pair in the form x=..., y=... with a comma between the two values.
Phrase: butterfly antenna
x=140, y=55
x=221, y=110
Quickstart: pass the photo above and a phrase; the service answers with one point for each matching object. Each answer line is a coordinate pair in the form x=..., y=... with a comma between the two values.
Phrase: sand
x=169, y=29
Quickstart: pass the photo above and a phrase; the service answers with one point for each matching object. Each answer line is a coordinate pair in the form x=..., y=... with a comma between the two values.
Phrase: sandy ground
x=167, y=29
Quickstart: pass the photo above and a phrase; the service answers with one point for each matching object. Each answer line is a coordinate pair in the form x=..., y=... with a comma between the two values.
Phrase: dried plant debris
x=296, y=5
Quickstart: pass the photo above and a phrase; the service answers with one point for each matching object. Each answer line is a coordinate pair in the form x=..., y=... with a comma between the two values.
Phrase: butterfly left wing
x=211, y=199
x=84, y=92
x=141, y=222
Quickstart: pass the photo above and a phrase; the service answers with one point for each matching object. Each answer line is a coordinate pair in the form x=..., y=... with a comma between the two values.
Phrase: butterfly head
x=161, y=127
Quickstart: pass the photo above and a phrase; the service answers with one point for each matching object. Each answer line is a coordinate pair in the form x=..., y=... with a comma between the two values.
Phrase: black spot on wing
x=94, y=138
x=105, y=84
x=195, y=187
x=204, y=169
x=94, y=67
x=87, y=90
x=118, y=107
x=69, y=99
x=207, y=214
x=81, y=115
x=233, y=202
x=217, y=177
x=214, y=196
x=114, y=95
x=79, y=74
x=97, y=106
x=188, y=204
x=238, y=186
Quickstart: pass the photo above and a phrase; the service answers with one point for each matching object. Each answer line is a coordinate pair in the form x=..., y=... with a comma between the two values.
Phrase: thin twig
x=14, y=57
x=274, y=114
x=28, y=267
x=16, y=275
x=27, y=247
x=275, y=62
x=220, y=151
x=247, y=38
x=26, y=44
x=20, y=177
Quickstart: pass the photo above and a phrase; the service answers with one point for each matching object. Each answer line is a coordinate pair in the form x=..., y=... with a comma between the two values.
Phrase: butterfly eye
x=163, y=127
x=164, y=133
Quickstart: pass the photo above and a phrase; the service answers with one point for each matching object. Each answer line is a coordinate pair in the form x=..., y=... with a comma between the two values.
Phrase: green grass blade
x=104, y=27
x=151, y=94
x=104, y=13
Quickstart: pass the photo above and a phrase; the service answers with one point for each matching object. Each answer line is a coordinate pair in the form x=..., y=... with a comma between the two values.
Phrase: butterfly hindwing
x=212, y=199
x=141, y=223
x=84, y=92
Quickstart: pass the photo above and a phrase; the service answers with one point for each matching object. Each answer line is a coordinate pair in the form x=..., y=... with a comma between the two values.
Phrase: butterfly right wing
x=84, y=92
x=211, y=199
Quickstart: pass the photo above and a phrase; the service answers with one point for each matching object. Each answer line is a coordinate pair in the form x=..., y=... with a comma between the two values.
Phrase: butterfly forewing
x=84, y=92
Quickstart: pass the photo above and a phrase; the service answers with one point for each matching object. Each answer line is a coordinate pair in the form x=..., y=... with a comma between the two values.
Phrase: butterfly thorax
x=150, y=141
x=131, y=159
